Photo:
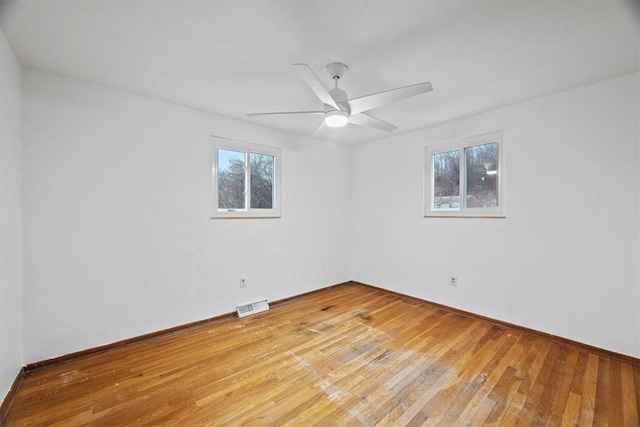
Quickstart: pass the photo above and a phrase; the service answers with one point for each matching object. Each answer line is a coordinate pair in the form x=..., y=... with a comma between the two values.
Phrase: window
x=465, y=178
x=245, y=180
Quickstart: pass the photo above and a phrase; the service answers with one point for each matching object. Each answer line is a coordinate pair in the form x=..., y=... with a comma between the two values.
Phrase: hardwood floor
x=349, y=355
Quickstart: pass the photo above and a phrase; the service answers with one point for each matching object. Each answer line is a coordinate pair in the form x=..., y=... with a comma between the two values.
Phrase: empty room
x=367, y=213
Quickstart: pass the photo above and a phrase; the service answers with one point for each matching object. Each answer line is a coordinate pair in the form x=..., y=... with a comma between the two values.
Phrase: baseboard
x=554, y=338
x=306, y=294
x=30, y=367
x=11, y=394
x=200, y=323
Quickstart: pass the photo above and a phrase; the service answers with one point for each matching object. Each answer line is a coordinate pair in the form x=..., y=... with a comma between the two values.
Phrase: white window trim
x=230, y=144
x=461, y=144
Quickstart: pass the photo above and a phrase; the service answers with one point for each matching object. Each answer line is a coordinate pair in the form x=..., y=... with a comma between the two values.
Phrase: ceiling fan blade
x=364, y=119
x=368, y=102
x=314, y=83
x=319, y=129
x=276, y=113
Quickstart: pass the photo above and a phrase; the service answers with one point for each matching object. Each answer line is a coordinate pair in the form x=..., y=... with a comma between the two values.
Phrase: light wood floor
x=350, y=355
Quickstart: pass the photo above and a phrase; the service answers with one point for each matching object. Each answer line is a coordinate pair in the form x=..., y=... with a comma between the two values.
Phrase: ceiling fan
x=340, y=110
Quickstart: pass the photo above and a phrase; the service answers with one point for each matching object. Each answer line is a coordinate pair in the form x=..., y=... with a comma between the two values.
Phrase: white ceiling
x=234, y=57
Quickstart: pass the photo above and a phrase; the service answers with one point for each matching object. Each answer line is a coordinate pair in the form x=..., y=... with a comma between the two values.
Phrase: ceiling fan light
x=336, y=119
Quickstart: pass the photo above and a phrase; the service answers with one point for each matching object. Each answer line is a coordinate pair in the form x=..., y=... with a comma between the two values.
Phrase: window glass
x=482, y=175
x=446, y=185
x=261, y=181
x=231, y=179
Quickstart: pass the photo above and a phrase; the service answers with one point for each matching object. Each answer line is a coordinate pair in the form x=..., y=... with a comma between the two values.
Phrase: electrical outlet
x=243, y=282
x=453, y=281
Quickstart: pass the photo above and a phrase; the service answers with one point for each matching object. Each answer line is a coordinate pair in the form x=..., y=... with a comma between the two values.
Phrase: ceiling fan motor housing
x=340, y=97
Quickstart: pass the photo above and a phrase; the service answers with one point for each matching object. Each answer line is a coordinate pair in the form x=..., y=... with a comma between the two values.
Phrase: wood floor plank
x=616, y=412
x=563, y=382
x=571, y=410
x=588, y=393
x=636, y=383
x=629, y=403
x=603, y=394
x=350, y=355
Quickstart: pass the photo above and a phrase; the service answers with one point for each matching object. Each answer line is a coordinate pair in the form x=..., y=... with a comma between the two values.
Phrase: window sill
x=466, y=215
x=233, y=215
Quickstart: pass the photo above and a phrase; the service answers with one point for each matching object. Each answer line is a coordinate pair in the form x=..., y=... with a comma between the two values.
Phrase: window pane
x=446, y=180
x=231, y=177
x=261, y=181
x=482, y=175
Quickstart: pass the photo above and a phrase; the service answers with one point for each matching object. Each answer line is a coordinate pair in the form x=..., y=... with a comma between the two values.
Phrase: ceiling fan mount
x=340, y=110
x=336, y=70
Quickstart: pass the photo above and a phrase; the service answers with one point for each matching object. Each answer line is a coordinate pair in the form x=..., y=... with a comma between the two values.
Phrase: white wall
x=564, y=261
x=117, y=236
x=118, y=240
x=10, y=219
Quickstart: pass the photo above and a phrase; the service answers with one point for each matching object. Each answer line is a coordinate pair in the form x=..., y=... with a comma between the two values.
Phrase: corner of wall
x=11, y=283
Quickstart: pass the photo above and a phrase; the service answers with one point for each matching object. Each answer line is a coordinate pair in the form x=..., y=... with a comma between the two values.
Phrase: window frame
x=460, y=145
x=248, y=149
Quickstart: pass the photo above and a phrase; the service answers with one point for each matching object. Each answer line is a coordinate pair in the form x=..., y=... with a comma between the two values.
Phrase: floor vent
x=252, y=308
